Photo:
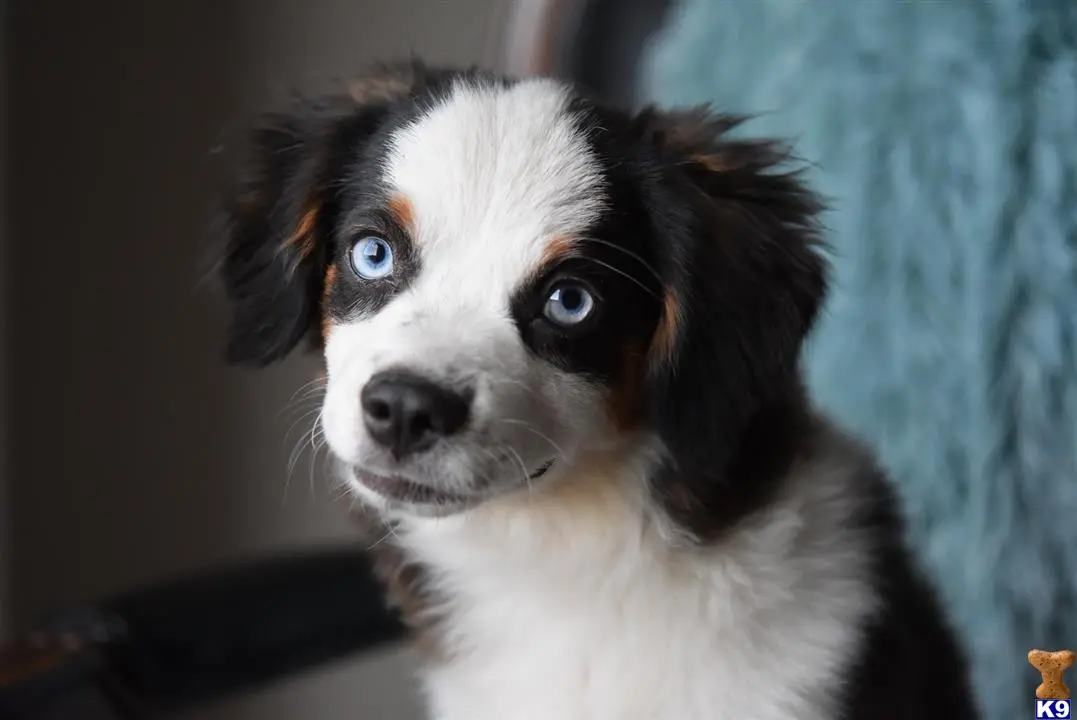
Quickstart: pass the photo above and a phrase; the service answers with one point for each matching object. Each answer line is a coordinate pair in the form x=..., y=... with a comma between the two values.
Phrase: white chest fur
x=573, y=605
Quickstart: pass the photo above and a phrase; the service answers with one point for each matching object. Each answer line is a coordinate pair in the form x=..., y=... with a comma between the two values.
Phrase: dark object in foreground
x=181, y=644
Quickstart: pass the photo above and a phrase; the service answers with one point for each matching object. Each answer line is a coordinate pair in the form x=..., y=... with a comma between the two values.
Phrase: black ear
x=280, y=213
x=744, y=281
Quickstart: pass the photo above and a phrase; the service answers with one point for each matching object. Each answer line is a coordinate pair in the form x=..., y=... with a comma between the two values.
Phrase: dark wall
x=122, y=413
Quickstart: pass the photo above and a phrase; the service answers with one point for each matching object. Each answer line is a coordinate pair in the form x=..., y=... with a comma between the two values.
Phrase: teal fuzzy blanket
x=944, y=134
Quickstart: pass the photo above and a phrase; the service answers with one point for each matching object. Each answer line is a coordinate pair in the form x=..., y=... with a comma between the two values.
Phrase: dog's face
x=468, y=337
x=507, y=279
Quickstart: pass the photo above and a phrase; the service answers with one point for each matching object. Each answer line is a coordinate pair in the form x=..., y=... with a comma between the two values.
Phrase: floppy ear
x=743, y=284
x=280, y=213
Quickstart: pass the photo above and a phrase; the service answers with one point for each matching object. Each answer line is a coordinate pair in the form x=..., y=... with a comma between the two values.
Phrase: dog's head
x=507, y=279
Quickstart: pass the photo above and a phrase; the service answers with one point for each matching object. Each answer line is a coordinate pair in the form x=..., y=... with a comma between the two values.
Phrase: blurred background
x=945, y=135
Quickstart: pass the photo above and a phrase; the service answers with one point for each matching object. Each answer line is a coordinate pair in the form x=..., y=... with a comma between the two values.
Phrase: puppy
x=561, y=348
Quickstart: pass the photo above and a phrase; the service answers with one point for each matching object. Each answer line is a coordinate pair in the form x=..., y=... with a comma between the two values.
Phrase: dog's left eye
x=372, y=258
x=569, y=304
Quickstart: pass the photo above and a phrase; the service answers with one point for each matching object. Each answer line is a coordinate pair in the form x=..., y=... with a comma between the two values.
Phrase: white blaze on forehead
x=493, y=174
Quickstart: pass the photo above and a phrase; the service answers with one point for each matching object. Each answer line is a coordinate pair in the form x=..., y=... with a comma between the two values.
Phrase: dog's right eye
x=372, y=258
x=569, y=304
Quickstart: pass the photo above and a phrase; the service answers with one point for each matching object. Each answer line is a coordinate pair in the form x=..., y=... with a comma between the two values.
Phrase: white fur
x=579, y=607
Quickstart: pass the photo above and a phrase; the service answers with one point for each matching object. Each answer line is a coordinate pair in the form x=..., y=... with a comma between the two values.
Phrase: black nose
x=407, y=413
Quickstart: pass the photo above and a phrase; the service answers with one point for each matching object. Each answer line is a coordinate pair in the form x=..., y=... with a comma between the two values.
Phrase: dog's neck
x=544, y=600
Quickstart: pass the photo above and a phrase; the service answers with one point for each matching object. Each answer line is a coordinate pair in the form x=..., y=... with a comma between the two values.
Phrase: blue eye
x=372, y=258
x=569, y=304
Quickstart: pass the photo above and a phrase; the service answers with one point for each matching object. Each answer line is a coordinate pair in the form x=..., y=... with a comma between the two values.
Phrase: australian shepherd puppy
x=562, y=362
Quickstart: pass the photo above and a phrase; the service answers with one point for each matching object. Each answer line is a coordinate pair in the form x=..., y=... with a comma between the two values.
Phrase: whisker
x=523, y=469
x=293, y=456
x=316, y=433
x=302, y=424
x=300, y=446
x=301, y=418
x=625, y=275
x=303, y=405
x=391, y=533
x=530, y=428
x=626, y=251
x=306, y=393
x=341, y=492
x=315, y=385
x=484, y=471
x=513, y=381
x=316, y=393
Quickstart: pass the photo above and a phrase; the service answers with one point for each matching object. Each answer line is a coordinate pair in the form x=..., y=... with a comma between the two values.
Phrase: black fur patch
x=910, y=664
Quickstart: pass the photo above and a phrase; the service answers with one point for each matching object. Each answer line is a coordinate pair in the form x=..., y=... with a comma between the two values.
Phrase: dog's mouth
x=394, y=487
x=401, y=489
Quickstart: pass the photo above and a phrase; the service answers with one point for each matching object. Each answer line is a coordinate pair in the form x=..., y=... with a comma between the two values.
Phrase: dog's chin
x=399, y=494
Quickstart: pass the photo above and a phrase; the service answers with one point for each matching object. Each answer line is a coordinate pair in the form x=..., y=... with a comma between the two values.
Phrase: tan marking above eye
x=557, y=248
x=404, y=213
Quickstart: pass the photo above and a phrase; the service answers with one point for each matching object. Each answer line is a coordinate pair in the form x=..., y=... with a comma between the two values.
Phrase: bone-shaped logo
x=1051, y=666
